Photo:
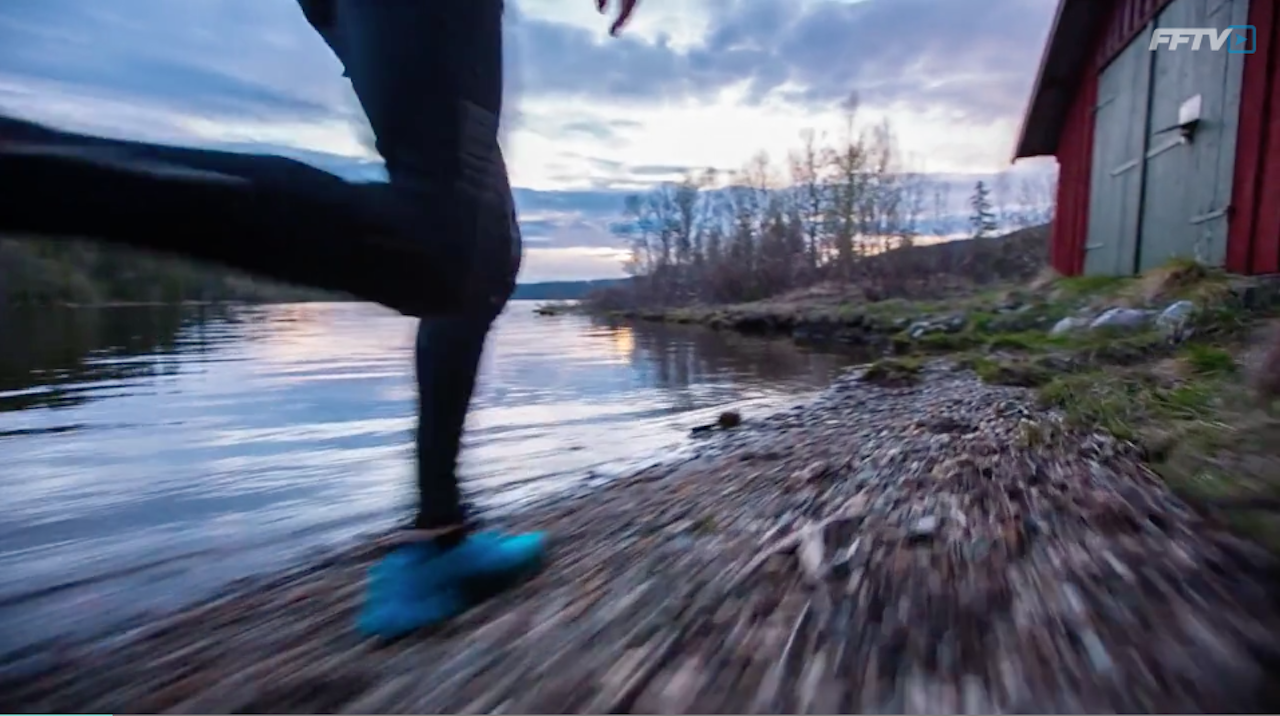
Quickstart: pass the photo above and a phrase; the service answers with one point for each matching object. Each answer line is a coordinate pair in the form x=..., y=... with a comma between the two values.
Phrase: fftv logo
x=1242, y=37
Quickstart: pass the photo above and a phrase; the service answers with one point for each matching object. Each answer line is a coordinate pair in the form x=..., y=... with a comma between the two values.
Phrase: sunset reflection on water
x=135, y=439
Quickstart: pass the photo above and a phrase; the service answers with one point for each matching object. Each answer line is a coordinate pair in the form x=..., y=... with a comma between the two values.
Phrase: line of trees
x=765, y=229
x=35, y=271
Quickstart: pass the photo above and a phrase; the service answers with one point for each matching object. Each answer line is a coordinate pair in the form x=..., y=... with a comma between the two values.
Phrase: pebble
x=924, y=528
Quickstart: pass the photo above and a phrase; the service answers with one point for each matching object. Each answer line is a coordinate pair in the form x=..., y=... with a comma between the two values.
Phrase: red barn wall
x=1128, y=18
x=1253, y=236
x=1075, y=165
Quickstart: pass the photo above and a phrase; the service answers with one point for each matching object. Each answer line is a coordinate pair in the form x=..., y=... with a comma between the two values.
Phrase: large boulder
x=1175, y=320
x=1123, y=319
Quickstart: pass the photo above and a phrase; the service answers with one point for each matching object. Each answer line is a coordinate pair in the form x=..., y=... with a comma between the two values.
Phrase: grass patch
x=848, y=312
x=1020, y=372
x=1127, y=402
x=1208, y=360
x=943, y=342
x=1203, y=433
x=1099, y=348
x=687, y=315
x=1178, y=279
x=1081, y=286
x=1020, y=342
x=1222, y=318
x=893, y=372
x=1230, y=466
x=1189, y=408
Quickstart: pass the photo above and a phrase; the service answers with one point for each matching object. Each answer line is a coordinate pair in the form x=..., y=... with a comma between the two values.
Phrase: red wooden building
x=1161, y=152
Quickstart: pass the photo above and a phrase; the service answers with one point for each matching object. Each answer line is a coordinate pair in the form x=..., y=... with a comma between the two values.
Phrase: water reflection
x=54, y=358
x=678, y=356
x=155, y=453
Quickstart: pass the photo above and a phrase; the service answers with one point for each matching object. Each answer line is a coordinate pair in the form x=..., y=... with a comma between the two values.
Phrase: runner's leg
x=428, y=75
x=448, y=357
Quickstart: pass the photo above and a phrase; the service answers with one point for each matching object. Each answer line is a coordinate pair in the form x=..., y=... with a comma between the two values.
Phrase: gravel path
x=932, y=549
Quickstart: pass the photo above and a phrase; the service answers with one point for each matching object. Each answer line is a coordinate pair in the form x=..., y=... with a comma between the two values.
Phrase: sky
x=690, y=85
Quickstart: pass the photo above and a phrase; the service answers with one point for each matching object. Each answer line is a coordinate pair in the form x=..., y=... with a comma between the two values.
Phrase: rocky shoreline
x=964, y=322
x=939, y=547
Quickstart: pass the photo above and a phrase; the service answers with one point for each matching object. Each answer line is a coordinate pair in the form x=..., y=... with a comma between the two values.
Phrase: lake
x=150, y=455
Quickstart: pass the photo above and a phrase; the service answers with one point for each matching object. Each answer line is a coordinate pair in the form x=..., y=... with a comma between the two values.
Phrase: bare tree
x=1036, y=198
x=808, y=176
x=940, y=209
x=847, y=186
x=913, y=207
x=1001, y=204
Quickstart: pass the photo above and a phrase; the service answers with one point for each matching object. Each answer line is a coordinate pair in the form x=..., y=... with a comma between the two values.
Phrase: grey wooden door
x=1187, y=189
x=1120, y=129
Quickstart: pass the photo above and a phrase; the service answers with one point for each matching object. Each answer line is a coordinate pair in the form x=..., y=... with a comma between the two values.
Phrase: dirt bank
x=938, y=547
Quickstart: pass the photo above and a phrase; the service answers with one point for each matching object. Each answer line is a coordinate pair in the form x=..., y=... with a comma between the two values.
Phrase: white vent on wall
x=1189, y=112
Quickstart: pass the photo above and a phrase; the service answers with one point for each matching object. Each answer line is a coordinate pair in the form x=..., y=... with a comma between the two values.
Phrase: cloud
x=260, y=58
x=579, y=219
x=571, y=264
x=211, y=58
x=603, y=130
x=604, y=173
x=590, y=111
x=971, y=55
x=660, y=170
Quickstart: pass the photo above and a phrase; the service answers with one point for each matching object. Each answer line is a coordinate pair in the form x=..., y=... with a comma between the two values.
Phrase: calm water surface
x=150, y=455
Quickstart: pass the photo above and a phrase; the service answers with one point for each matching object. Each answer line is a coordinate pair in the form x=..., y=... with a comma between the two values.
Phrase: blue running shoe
x=421, y=585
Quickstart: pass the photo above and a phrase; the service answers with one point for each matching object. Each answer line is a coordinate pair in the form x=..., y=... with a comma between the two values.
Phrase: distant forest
x=564, y=290
x=44, y=272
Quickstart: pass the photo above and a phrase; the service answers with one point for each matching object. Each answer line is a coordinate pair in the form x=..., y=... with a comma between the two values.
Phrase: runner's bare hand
x=625, y=8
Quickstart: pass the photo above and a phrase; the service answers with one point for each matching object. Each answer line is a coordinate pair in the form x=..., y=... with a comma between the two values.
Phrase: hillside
x=44, y=272
x=920, y=272
x=564, y=290
x=1017, y=255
